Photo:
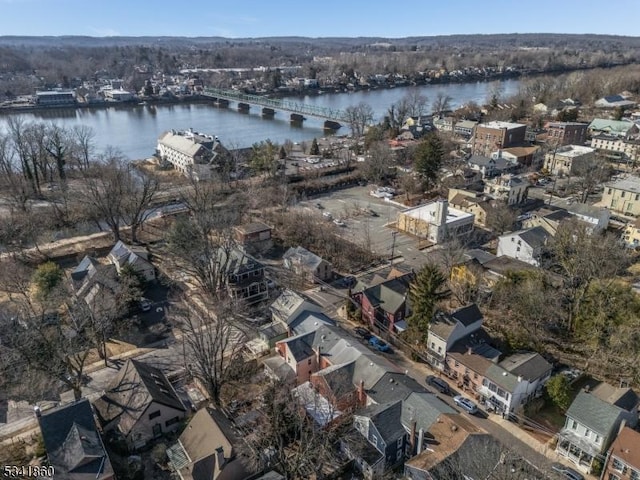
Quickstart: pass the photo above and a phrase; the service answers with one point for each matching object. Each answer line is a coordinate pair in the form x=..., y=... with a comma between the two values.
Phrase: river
x=134, y=129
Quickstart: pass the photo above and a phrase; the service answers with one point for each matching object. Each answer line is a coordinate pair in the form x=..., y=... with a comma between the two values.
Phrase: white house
x=447, y=328
x=598, y=218
x=526, y=245
x=592, y=422
x=435, y=221
x=136, y=257
x=192, y=153
x=508, y=188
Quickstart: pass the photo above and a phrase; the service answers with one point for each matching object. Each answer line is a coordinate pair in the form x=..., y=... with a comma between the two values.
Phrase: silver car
x=466, y=404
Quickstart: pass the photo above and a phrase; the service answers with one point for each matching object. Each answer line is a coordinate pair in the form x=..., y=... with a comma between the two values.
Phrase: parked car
x=466, y=404
x=362, y=332
x=348, y=282
x=327, y=215
x=567, y=472
x=339, y=222
x=438, y=384
x=379, y=345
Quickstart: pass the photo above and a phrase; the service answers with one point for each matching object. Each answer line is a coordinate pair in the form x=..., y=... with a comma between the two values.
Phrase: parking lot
x=366, y=222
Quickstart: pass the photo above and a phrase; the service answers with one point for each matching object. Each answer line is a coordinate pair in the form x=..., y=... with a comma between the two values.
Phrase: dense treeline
x=30, y=62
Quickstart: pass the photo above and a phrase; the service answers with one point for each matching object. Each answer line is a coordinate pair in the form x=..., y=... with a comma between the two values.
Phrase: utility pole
x=393, y=246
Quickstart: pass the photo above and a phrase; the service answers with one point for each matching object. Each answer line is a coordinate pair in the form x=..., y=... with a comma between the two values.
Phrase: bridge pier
x=297, y=119
x=268, y=112
x=331, y=125
x=243, y=107
x=222, y=103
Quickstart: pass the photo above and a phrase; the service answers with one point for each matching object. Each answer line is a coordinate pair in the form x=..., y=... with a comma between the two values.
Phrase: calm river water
x=134, y=130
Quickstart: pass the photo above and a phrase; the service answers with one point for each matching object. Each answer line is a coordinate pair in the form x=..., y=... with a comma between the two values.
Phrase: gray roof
x=628, y=184
x=622, y=397
x=123, y=254
x=132, y=391
x=424, y=408
x=394, y=386
x=303, y=257
x=301, y=346
x=502, y=378
x=289, y=305
x=87, y=265
x=238, y=261
x=594, y=413
x=480, y=255
x=482, y=161
x=387, y=419
x=467, y=315
x=536, y=237
x=528, y=365
x=585, y=210
x=389, y=295
x=73, y=444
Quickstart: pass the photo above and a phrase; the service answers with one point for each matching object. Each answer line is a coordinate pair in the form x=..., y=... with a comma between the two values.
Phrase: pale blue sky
x=321, y=18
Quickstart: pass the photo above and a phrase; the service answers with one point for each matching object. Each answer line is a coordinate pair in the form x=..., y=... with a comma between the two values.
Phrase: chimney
x=469, y=350
x=36, y=410
x=318, y=356
x=420, y=440
x=623, y=424
x=361, y=398
x=220, y=461
x=442, y=207
x=412, y=438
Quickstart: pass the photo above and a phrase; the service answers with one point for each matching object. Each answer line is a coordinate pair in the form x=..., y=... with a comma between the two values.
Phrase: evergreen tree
x=428, y=157
x=315, y=149
x=424, y=292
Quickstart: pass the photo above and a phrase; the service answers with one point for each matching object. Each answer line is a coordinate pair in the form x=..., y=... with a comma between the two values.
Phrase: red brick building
x=566, y=133
x=623, y=458
x=492, y=136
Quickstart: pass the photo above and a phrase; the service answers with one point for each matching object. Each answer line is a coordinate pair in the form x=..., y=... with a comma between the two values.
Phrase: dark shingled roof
x=467, y=315
x=594, y=413
x=394, y=386
x=73, y=444
x=132, y=391
x=536, y=236
x=387, y=420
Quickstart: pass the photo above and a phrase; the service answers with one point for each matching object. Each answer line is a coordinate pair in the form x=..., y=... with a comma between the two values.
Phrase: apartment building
x=566, y=133
x=488, y=137
x=622, y=196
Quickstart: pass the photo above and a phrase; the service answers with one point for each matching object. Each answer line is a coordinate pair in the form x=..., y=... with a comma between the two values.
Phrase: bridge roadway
x=332, y=116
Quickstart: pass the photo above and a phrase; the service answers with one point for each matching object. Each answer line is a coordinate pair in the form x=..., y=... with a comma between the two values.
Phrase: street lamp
x=393, y=246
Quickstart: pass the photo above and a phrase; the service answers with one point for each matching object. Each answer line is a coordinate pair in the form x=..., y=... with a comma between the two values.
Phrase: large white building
x=189, y=152
x=436, y=221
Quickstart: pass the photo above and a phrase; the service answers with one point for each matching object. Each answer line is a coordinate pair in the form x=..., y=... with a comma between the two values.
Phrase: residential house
x=245, y=275
x=529, y=245
x=505, y=386
x=470, y=202
x=596, y=217
x=569, y=159
x=381, y=426
x=489, y=137
x=465, y=128
x=623, y=458
x=507, y=188
x=446, y=329
x=520, y=156
x=254, y=237
x=548, y=217
x=631, y=234
x=384, y=304
x=452, y=450
x=73, y=444
x=622, y=196
x=194, y=154
x=435, y=222
x=420, y=411
x=566, y=133
x=489, y=166
x=140, y=404
x=444, y=124
x=205, y=450
x=297, y=313
x=592, y=422
x=137, y=258
x=614, y=101
x=618, y=128
x=307, y=265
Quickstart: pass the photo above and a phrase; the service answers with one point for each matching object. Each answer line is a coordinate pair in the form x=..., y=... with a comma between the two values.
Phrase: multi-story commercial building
x=435, y=222
x=566, y=133
x=623, y=196
x=192, y=153
x=568, y=159
x=55, y=98
x=617, y=148
x=488, y=137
